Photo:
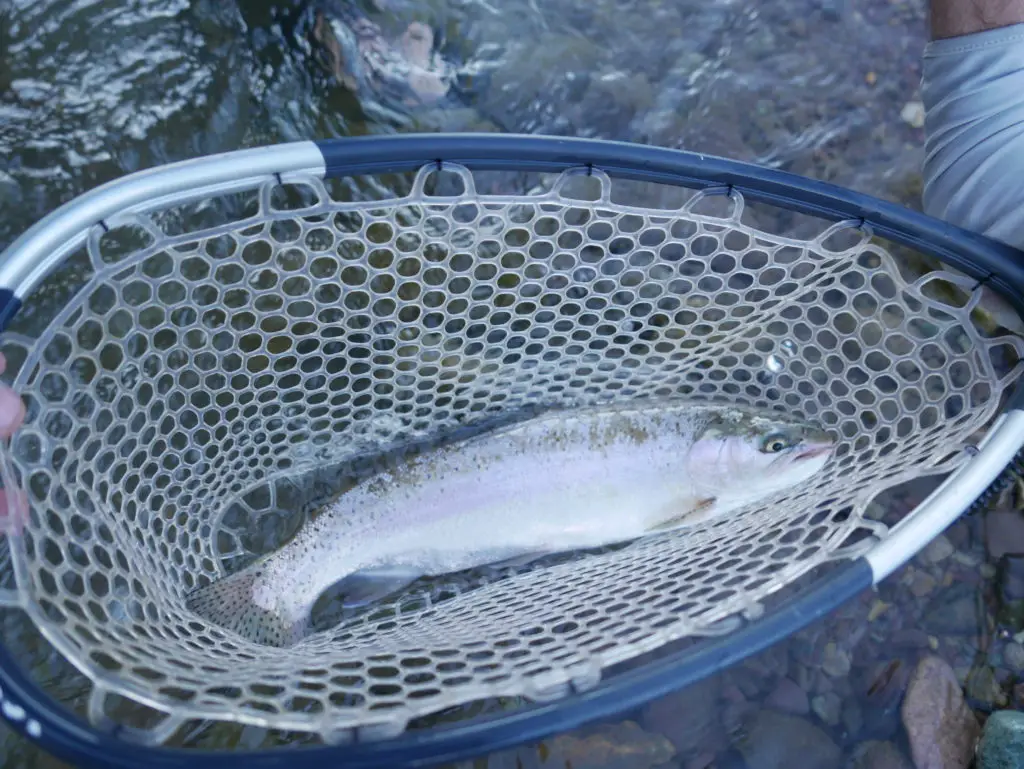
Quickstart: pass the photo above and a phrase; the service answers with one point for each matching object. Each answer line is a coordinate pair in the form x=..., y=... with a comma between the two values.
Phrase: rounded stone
x=1002, y=741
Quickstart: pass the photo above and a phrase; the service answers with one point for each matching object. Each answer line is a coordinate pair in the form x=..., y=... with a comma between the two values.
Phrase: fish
x=561, y=481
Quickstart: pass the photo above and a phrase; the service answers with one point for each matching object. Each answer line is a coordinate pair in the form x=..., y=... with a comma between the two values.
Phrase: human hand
x=12, y=408
x=12, y=415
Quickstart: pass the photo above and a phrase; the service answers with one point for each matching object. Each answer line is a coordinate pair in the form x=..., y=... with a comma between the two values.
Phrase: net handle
x=49, y=241
x=958, y=492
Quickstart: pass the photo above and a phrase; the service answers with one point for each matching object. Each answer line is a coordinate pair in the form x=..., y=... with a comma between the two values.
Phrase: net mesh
x=200, y=390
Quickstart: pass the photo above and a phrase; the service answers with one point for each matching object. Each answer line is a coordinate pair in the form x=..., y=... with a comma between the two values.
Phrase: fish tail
x=228, y=603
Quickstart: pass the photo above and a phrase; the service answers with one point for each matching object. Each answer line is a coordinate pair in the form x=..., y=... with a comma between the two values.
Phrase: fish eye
x=774, y=443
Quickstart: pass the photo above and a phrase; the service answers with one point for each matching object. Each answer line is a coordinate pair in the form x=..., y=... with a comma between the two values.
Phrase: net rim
x=68, y=737
x=35, y=715
x=30, y=257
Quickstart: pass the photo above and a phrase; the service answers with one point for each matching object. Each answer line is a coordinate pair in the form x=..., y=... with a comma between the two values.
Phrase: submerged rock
x=883, y=697
x=788, y=697
x=1004, y=533
x=877, y=755
x=910, y=638
x=982, y=686
x=690, y=718
x=953, y=611
x=941, y=729
x=938, y=550
x=835, y=661
x=778, y=741
x=605, y=746
x=1010, y=578
x=1002, y=741
x=921, y=584
x=615, y=746
x=1013, y=656
x=828, y=707
x=405, y=70
x=853, y=718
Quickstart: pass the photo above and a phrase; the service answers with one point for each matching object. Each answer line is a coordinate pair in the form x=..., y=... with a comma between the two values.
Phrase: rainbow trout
x=559, y=482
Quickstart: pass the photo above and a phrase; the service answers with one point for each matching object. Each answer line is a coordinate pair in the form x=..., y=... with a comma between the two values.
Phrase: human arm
x=954, y=18
x=973, y=92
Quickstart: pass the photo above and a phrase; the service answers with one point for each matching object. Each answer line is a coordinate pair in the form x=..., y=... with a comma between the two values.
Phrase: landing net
x=200, y=391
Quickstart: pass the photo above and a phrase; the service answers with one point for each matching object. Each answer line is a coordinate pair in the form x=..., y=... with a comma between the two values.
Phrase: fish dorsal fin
x=532, y=417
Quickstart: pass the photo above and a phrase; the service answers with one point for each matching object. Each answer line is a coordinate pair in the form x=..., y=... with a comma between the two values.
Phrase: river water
x=93, y=89
x=90, y=90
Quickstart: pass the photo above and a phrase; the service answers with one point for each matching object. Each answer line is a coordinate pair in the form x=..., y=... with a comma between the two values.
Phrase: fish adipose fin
x=228, y=603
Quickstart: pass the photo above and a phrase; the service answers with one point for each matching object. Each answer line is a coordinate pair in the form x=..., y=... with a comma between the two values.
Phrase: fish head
x=741, y=456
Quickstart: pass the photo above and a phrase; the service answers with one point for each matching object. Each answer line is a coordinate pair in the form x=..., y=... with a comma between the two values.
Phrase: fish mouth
x=815, y=451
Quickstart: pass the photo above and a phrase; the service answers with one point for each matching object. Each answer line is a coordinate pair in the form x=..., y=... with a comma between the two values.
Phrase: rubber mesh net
x=199, y=386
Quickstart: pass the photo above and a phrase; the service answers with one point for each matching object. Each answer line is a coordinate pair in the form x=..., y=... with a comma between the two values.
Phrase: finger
x=12, y=511
x=12, y=412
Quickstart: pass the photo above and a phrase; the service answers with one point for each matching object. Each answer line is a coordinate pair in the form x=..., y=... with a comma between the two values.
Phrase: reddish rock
x=941, y=729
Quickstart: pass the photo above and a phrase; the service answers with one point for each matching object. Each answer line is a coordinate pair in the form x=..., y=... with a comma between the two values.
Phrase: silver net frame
x=170, y=416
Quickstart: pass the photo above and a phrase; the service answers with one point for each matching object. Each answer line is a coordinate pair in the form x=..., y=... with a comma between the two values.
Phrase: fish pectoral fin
x=369, y=585
x=688, y=511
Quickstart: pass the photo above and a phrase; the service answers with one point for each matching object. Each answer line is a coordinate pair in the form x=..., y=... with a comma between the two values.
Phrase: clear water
x=93, y=89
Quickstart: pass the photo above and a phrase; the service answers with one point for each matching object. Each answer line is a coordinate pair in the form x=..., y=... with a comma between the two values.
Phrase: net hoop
x=32, y=257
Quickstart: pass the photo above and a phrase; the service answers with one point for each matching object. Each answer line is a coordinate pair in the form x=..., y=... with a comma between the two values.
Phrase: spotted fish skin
x=559, y=482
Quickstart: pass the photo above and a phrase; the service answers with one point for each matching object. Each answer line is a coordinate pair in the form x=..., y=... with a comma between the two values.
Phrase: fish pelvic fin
x=690, y=511
x=228, y=603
